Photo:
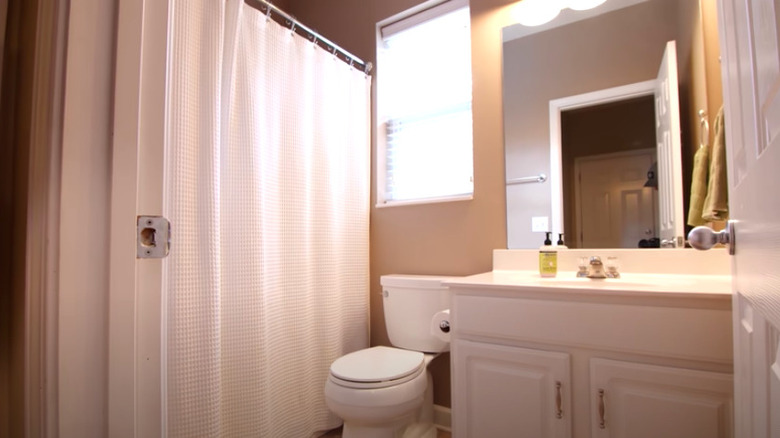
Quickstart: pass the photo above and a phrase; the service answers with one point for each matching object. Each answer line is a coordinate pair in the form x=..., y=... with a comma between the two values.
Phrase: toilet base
x=418, y=424
x=394, y=430
x=400, y=429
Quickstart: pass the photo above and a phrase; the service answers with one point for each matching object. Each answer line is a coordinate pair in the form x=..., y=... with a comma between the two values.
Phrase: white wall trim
x=442, y=418
x=135, y=396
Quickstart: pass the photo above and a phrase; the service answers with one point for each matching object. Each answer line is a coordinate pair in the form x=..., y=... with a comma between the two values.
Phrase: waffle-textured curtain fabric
x=267, y=191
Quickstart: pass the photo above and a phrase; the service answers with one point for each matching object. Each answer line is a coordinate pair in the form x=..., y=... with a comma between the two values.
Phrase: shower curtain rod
x=285, y=19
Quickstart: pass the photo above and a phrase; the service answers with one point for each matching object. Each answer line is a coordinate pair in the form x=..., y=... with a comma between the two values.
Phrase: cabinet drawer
x=694, y=334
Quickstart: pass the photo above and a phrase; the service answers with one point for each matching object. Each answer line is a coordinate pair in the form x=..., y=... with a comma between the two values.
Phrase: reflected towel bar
x=704, y=130
x=528, y=179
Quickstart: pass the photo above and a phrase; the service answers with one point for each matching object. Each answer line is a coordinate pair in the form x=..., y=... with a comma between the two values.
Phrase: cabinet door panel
x=503, y=391
x=632, y=400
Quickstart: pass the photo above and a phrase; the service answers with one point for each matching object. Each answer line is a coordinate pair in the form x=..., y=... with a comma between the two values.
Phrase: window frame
x=397, y=23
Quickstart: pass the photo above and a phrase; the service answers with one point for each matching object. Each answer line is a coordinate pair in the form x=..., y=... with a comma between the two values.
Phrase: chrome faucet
x=596, y=268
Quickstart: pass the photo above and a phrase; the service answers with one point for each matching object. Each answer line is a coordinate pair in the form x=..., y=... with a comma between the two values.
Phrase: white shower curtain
x=267, y=193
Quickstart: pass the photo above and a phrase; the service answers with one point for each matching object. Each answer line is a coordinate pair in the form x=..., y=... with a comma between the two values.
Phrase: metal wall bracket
x=153, y=237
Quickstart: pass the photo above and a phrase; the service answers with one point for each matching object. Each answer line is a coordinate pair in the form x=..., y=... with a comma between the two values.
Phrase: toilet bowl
x=379, y=403
x=387, y=392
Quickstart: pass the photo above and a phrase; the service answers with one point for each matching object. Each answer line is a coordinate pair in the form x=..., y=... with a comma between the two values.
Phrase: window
x=425, y=146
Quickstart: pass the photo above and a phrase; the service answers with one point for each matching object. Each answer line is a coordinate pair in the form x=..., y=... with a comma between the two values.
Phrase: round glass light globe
x=582, y=5
x=536, y=12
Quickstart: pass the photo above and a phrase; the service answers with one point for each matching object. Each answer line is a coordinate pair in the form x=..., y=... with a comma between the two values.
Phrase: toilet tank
x=410, y=302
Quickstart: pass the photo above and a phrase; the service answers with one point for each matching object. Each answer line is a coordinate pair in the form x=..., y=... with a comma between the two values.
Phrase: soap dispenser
x=548, y=258
x=560, y=243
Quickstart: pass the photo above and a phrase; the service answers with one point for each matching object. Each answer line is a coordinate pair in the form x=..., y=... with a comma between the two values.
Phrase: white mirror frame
x=557, y=106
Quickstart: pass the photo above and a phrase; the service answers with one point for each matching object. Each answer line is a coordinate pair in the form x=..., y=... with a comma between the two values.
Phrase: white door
x=135, y=380
x=750, y=51
x=613, y=207
x=630, y=400
x=511, y=392
x=668, y=138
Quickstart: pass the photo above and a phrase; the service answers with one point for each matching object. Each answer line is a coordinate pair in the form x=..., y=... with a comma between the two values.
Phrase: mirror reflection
x=595, y=158
x=607, y=151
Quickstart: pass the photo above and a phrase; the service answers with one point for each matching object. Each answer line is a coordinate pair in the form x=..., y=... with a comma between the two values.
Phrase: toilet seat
x=377, y=367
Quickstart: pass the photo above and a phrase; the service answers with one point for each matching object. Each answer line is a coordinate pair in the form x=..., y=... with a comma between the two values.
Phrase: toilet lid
x=377, y=364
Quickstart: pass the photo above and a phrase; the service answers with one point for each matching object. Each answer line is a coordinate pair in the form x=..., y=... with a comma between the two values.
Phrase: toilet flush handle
x=444, y=326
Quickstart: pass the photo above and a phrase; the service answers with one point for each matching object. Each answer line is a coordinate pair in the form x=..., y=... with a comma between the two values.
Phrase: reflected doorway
x=607, y=151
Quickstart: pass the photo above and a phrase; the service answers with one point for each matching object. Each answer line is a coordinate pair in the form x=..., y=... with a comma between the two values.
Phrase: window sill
x=467, y=197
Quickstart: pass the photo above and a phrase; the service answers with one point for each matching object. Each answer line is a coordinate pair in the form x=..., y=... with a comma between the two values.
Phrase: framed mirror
x=554, y=69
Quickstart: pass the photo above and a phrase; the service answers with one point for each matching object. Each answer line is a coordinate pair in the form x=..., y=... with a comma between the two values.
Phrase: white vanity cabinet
x=643, y=401
x=543, y=360
x=511, y=391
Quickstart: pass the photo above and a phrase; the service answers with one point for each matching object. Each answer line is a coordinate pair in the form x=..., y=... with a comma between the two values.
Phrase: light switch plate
x=540, y=224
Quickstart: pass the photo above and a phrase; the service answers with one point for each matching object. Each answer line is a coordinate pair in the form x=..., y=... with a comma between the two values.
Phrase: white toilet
x=387, y=392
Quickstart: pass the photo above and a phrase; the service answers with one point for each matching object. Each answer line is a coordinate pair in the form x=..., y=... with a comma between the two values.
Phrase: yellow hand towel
x=701, y=164
x=716, y=204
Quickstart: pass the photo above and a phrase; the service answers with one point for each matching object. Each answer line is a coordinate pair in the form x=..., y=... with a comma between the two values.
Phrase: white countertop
x=699, y=287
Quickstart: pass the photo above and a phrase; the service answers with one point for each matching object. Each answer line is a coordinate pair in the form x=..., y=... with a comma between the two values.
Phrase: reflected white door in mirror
x=614, y=207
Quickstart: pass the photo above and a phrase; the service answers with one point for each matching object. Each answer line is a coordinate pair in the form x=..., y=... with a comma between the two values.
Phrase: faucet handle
x=612, y=267
x=582, y=267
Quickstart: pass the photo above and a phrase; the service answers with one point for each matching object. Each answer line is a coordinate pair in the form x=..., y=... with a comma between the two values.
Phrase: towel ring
x=704, y=132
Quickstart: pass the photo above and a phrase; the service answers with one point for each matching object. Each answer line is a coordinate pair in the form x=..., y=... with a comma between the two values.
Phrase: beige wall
x=455, y=238
x=709, y=12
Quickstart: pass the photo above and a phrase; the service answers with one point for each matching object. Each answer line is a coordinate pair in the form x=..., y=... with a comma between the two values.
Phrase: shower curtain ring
x=292, y=26
x=268, y=12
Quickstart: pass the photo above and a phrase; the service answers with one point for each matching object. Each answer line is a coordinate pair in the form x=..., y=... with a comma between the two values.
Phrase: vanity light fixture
x=584, y=5
x=538, y=12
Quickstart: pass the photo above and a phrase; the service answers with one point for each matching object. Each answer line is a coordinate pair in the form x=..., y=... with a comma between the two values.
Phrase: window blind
x=425, y=103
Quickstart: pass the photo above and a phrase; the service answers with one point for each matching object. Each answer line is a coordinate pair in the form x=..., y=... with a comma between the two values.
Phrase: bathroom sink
x=647, y=273
x=573, y=281
x=627, y=282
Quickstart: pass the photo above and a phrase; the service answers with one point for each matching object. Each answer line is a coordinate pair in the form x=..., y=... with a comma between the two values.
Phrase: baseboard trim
x=442, y=418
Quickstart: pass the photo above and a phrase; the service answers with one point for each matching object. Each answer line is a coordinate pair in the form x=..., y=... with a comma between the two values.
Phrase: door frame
x=557, y=106
x=135, y=385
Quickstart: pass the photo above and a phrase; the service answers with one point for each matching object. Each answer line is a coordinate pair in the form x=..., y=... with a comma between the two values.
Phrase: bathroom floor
x=337, y=433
